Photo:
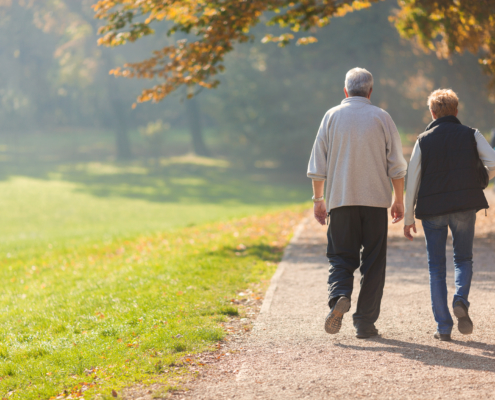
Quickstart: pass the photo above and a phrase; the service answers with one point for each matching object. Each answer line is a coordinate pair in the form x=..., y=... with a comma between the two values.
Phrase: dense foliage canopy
x=217, y=26
x=451, y=26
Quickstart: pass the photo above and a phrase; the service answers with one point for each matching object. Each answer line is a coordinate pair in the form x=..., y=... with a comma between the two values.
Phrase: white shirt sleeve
x=413, y=182
x=486, y=152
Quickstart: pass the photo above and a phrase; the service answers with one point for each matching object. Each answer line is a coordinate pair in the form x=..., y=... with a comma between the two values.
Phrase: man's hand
x=397, y=212
x=320, y=212
x=407, y=231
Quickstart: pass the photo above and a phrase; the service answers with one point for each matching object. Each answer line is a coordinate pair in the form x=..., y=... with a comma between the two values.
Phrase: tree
x=73, y=22
x=443, y=26
x=195, y=127
x=216, y=25
x=269, y=102
x=451, y=26
x=55, y=75
x=59, y=76
x=23, y=58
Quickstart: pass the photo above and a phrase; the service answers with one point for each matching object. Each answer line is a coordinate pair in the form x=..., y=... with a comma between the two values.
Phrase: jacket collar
x=356, y=99
x=438, y=121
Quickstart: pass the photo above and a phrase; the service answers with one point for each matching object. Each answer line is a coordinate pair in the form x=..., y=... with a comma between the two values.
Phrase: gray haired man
x=358, y=152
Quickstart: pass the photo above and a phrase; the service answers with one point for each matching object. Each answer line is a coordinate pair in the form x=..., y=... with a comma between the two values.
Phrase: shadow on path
x=434, y=355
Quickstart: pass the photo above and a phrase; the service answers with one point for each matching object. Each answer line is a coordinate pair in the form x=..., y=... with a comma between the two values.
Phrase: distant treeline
x=266, y=110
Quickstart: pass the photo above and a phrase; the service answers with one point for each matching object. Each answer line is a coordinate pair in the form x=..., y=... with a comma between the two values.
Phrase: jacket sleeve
x=317, y=167
x=396, y=163
x=486, y=153
x=413, y=182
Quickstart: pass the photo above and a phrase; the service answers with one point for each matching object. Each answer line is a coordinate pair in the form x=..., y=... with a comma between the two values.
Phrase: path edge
x=270, y=293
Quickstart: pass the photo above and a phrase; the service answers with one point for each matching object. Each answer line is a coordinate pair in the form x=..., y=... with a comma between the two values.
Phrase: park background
x=130, y=235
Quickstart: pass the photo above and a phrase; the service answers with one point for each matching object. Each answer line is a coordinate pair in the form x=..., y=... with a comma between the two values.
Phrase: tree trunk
x=119, y=112
x=119, y=109
x=122, y=143
x=193, y=114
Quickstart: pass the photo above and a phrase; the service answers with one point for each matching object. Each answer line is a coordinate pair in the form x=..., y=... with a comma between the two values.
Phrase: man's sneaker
x=366, y=332
x=333, y=321
x=444, y=337
x=464, y=323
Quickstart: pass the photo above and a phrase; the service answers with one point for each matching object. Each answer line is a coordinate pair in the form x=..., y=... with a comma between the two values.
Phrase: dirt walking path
x=288, y=355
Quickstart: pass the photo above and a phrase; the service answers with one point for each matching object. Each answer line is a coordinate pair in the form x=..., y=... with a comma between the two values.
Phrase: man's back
x=358, y=151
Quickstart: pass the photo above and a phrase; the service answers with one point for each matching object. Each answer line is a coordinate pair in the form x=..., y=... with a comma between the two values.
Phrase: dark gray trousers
x=357, y=238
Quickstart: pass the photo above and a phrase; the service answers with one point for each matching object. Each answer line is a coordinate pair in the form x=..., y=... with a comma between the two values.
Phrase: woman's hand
x=407, y=231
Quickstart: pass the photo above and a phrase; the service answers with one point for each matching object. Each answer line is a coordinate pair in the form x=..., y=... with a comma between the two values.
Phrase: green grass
x=104, y=317
x=66, y=205
x=112, y=274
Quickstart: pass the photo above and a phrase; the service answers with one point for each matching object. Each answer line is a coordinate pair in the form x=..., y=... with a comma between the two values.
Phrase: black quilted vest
x=449, y=176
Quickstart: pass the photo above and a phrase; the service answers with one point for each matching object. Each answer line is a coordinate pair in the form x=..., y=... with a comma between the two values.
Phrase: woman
x=443, y=184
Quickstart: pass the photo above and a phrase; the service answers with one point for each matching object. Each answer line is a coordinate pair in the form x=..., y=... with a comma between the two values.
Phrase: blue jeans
x=462, y=226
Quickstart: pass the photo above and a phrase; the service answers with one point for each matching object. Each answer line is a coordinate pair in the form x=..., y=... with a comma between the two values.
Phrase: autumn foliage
x=216, y=25
x=451, y=26
x=443, y=26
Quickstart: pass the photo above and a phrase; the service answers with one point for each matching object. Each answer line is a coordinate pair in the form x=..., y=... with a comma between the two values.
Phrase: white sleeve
x=413, y=182
x=486, y=152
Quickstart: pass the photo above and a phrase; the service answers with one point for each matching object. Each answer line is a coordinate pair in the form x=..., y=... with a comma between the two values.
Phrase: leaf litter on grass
x=102, y=322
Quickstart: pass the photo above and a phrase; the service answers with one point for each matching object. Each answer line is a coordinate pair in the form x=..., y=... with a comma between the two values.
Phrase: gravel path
x=288, y=355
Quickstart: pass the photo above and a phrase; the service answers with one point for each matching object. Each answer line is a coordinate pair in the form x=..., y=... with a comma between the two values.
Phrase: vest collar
x=356, y=99
x=438, y=121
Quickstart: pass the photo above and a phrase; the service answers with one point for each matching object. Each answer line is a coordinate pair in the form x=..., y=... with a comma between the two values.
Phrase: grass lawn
x=67, y=205
x=112, y=274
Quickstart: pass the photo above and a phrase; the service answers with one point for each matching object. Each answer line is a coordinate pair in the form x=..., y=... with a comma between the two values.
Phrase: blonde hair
x=443, y=102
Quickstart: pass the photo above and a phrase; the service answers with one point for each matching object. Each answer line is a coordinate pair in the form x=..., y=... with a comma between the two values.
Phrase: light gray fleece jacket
x=357, y=151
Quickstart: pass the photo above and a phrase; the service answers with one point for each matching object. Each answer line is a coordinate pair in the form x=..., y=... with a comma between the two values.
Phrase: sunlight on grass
x=100, y=317
x=110, y=275
x=37, y=213
x=82, y=207
x=194, y=159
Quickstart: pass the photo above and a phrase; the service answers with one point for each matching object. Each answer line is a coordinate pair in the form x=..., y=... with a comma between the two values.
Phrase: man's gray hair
x=358, y=82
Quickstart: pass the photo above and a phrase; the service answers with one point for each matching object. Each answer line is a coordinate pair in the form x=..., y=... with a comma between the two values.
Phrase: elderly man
x=444, y=179
x=357, y=151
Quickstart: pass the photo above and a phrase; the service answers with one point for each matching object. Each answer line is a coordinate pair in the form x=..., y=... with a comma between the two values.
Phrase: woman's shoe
x=464, y=323
x=443, y=337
